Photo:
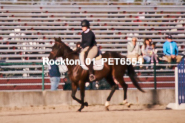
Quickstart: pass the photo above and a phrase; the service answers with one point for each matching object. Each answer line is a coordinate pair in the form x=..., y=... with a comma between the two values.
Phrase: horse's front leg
x=82, y=94
x=74, y=89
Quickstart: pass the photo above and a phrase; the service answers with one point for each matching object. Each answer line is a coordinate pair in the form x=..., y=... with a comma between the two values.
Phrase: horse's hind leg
x=125, y=86
x=113, y=88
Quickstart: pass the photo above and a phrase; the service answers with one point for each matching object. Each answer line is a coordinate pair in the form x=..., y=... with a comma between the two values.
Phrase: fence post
x=42, y=77
x=181, y=82
x=155, y=83
x=176, y=87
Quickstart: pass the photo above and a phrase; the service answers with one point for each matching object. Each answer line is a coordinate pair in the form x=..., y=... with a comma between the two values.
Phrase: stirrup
x=92, y=77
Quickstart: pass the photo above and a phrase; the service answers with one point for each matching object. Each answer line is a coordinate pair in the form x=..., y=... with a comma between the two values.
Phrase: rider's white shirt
x=87, y=31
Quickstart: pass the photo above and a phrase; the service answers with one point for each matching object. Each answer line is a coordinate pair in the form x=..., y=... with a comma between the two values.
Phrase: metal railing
x=15, y=71
x=96, y=2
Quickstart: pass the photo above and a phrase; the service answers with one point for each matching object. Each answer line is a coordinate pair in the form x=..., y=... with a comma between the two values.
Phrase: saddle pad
x=98, y=65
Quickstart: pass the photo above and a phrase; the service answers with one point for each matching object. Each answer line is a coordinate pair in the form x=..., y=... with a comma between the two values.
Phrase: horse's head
x=57, y=49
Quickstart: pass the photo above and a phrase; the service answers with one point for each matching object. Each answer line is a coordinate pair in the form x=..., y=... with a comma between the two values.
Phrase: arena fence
x=181, y=82
x=28, y=37
x=179, y=87
x=34, y=76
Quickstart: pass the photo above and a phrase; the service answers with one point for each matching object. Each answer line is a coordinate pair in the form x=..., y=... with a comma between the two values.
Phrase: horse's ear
x=55, y=39
x=59, y=39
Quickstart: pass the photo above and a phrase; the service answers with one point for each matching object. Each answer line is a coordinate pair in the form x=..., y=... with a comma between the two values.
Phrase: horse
x=78, y=76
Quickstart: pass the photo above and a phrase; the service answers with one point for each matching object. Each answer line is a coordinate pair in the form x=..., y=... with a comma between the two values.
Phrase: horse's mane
x=67, y=47
x=76, y=52
x=68, y=51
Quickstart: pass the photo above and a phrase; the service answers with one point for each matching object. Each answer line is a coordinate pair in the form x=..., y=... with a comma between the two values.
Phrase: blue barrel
x=181, y=81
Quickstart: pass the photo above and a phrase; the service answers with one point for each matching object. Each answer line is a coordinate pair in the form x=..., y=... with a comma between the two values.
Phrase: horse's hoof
x=129, y=105
x=106, y=108
x=79, y=110
x=86, y=104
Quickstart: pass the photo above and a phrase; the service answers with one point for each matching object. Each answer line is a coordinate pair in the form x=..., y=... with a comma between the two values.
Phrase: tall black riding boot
x=91, y=75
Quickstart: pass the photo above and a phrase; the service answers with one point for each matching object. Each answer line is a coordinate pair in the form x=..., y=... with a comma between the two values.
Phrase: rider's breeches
x=92, y=52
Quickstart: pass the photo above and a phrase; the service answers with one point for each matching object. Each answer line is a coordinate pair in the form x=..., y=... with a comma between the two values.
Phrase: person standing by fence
x=54, y=76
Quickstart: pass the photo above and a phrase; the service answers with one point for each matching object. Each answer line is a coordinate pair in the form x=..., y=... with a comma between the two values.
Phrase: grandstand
x=27, y=29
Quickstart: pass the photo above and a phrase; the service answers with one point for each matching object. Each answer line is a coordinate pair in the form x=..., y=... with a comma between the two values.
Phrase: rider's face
x=84, y=29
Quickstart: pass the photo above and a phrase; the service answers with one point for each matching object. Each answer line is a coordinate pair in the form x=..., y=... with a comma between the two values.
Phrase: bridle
x=54, y=55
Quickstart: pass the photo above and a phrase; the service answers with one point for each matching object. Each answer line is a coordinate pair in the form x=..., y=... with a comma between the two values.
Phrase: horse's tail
x=133, y=76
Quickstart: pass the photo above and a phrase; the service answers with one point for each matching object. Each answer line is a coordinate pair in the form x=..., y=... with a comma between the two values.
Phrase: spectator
x=16, y=37
x=150, y=40
x=141, y=15
x=154, y=54
x=54, y=76
x=133, y=49
x=129, y=2
x=62, y=68
x=147, y=2
x=92, y=86
x=132, y=35
x=17, y=33
x=147, y=50
x=170, y=50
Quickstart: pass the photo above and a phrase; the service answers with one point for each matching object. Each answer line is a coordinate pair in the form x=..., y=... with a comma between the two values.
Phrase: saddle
x=98, y=65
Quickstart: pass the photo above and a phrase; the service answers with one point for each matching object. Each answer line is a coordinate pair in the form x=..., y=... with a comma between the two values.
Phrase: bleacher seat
x=27, y=29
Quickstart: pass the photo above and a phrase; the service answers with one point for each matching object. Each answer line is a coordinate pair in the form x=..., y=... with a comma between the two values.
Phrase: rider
x=88, y=42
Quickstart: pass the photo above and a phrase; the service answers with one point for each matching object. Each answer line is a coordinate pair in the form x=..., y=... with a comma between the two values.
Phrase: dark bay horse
x=78, y=76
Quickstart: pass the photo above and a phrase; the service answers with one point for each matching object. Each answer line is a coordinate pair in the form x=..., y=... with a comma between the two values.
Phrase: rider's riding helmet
x=85, y=23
